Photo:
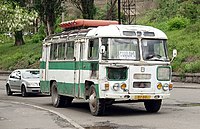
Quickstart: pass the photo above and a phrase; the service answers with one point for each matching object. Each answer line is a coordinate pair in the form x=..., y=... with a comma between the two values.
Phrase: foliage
x=189, y=10
x=168, y=9
x=180, y=20
x=26, y=56
x=57, y=26
x=106, y=13
x=14, y=18
x=186, y=41
x=48, y=11
x=177, y=23
x=86, y=7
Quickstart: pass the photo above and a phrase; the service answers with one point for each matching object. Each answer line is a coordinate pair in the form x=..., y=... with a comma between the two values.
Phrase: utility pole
x=119, y=11
x=129, y=11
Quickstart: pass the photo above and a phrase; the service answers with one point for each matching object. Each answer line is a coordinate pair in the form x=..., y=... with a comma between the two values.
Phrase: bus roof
x=127, y=31
x=133, y=31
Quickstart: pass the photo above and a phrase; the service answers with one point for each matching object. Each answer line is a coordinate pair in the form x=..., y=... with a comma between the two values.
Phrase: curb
x=76, y=125
x=184, y=87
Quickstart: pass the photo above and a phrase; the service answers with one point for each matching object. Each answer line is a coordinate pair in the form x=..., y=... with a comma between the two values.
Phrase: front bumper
x=137, y=96
x=33, y=89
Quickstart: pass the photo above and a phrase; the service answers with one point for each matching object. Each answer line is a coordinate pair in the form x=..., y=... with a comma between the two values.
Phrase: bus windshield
x=154, y=49
x=121, y=48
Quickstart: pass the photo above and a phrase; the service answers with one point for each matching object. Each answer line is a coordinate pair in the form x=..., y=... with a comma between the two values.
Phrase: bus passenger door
x=78, y=68
x=44, y=65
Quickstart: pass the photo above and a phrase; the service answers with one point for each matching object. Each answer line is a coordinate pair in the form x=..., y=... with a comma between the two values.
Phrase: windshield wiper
x=155, y=57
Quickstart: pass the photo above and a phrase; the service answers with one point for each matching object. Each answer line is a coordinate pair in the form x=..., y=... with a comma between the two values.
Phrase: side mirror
x=102, y=49
x=18, y=77
x=174, y=53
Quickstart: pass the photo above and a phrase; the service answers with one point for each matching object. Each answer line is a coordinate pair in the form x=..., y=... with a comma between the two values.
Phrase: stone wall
x=187, y=77
x=176, y=77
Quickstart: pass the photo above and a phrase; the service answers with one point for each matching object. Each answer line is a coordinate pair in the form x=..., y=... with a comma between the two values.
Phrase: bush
x=178, y=23
x=189, y=9
x=37, y=38
x=192, y=67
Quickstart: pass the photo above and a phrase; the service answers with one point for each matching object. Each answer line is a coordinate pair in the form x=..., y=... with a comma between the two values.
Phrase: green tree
x=48, y=11
x=14, y=18
x=86, y=7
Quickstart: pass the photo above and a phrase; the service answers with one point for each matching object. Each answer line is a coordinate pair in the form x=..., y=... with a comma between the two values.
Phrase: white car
x=24, y=81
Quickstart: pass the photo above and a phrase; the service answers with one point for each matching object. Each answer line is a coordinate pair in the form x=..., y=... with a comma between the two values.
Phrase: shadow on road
x=113, y=110
x=30, y=95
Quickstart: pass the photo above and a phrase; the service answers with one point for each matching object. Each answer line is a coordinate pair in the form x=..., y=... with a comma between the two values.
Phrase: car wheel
x=152, y=106
x=8, y=90
x=59, y=100
x=97, y=106
x=23, y=91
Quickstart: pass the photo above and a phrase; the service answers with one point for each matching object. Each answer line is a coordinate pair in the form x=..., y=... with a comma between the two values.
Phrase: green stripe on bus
x=67, y=88
x=42, y=64
x=71, y=65
x=45, y=86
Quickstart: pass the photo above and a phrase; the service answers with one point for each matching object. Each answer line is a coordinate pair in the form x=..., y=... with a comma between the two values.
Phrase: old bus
x=103, y=62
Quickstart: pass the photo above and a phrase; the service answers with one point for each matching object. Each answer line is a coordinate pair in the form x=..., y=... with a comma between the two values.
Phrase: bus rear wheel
x=153, y=106
x=97, y=106
x=59, y=100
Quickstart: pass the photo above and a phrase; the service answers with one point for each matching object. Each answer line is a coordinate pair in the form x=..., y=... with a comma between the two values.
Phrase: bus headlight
x=116, y=86
x=165, y=87
x=163, y=73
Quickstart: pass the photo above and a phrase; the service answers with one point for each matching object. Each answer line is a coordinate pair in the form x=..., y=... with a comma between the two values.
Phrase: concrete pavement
x=15, y=115
x=186, y=85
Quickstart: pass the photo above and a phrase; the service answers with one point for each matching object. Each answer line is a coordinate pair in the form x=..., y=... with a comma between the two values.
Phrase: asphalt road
x=181, y=111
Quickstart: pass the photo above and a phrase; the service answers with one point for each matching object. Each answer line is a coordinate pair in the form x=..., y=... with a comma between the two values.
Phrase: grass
x=25, y=56
x=187, y=43
x=185, y=40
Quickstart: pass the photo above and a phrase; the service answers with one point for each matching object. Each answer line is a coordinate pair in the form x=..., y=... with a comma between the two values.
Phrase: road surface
x=181, y=111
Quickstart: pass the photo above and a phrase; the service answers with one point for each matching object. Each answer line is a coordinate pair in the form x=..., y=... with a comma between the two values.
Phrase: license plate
x=142, y=97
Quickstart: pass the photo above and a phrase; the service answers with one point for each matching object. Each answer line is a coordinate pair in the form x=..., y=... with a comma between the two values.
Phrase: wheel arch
x=23, y=84
x=7, y=84
x=50, y=85
x=88, y=84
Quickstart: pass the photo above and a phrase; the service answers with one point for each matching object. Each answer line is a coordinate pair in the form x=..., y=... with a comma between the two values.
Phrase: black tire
x=97, y=106
x=8, y=90
x=153, y=106
x=59, y=100
x=23, y=91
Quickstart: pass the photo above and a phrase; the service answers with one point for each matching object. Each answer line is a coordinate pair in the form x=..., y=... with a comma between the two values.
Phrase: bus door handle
x=84, y=66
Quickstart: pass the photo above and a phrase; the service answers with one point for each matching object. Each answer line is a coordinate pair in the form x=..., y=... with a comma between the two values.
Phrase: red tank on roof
x=86, y=23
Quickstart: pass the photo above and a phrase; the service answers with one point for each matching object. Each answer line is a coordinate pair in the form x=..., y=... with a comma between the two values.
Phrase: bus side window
x=54, y=52
x=61, y=51
x=69, y=50
x=93, y=49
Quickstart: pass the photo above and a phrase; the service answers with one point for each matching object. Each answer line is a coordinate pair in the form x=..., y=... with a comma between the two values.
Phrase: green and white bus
x=106, y=64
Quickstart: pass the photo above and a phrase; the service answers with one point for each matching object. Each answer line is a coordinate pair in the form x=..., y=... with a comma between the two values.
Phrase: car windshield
x=30, y=74
x=121, y=48
x=154, y=49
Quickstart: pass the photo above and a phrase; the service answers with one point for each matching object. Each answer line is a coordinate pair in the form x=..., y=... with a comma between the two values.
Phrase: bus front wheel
x=153, y=106
x=97, y=106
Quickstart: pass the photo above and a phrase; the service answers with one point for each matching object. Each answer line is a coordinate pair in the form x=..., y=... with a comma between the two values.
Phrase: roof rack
x=84, y=23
